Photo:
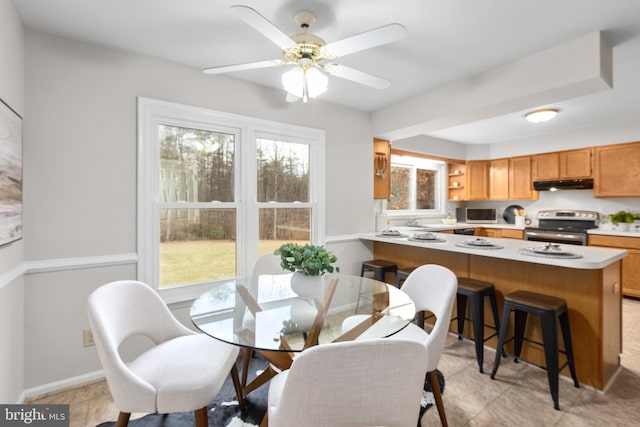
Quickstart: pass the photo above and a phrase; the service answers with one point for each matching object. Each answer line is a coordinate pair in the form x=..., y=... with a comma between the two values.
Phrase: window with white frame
x=418, y=186
x=215, y=190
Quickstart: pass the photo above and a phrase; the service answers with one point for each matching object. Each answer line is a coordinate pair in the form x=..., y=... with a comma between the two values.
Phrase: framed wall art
x=10, y=174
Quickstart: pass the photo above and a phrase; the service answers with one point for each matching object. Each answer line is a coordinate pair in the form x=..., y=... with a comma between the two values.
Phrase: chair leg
x=477, y=313
x=265, y=420
x=201, y=417
x=236, y=384
x=245, y=365
x=123, y=419
x=435, y=388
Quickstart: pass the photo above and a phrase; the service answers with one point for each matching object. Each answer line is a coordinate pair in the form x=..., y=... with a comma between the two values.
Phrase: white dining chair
x=268, y=263
x=182, y=372
x=433, y=289
x=375, y=382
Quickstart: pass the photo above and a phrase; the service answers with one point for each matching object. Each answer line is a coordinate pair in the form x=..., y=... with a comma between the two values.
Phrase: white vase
x=307, y=286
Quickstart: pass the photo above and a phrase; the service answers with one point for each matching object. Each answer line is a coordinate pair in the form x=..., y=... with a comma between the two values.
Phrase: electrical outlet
x=88, y=338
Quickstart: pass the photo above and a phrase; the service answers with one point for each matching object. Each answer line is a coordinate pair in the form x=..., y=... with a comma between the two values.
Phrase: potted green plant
x=310, y=260
x=309, y=263
x=622, y=219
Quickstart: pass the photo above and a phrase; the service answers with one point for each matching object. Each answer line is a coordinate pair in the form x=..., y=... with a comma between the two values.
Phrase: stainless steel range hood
x=565, y=184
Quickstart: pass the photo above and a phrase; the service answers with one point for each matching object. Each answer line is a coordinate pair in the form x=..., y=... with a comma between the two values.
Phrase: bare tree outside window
x=282, y=180
x=197, y=243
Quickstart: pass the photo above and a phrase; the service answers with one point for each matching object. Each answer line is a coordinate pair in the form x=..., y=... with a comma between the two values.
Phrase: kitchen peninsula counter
x=590, y=285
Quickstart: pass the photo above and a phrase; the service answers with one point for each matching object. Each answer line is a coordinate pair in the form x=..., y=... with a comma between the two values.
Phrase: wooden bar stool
x=380, y=268
x=551, y=310
x=476, y=291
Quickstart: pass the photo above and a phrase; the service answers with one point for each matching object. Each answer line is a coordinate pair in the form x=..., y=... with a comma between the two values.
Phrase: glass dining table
x=273, y=316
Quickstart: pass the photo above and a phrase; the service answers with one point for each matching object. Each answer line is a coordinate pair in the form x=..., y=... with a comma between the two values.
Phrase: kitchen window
x=418, y=186
x=216, y=190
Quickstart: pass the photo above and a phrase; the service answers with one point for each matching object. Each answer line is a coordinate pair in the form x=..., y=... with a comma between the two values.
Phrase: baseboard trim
x=57, y=386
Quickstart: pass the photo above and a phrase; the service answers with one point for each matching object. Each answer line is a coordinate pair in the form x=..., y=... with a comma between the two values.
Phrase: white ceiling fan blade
x=354, y=75
x=242, y=67
x=367, y=40
x=264, y=26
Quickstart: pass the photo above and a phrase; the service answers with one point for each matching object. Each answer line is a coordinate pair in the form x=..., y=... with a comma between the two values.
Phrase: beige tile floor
x=518, y=397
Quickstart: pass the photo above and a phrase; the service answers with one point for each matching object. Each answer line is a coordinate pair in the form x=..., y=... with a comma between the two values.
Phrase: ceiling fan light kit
x=308, y=54
x=540, y=116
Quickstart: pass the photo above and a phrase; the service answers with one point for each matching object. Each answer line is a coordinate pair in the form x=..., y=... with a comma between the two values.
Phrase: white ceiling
x=447, y=41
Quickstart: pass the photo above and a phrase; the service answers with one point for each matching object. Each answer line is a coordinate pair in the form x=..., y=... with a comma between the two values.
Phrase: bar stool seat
x=402, y=274
x=476, y=291
x=380, y=268
x=550, y=310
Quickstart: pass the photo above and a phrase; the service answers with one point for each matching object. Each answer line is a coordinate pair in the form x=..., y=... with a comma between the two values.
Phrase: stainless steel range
x=563, y=226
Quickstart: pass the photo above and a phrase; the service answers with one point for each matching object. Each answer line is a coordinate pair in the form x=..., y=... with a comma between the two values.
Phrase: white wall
x=81, y=182
x=12, y=254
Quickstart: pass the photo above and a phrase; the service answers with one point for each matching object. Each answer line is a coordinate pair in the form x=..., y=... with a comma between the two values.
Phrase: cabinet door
x=576, y=163
x=630, y=263
x=499, y=179
x=545, y=166
x=520, y=183
x=492, y=232
x=478, y=179
x=508, y=233
x=617, y=170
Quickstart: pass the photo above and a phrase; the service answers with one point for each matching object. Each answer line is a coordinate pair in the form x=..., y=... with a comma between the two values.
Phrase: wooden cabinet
x=569, y=164
x=499, y=179
x=520, y=183
x=478, y=179
x=617, y=170
x=576, y=163
x=381, y=169
x=505, y=233
x=457, y=181
x=545, y=166
x=630, y=263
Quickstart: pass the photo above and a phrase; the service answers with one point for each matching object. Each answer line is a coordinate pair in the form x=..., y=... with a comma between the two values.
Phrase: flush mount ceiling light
x=539, y=116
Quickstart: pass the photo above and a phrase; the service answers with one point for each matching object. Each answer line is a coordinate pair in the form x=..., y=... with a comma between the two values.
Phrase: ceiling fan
x=311, y=56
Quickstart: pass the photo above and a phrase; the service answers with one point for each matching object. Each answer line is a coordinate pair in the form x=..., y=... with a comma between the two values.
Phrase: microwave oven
x=476, y=215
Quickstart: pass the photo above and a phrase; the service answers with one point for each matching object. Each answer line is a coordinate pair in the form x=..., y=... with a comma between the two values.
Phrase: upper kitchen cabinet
x=478, y=179
x=520, y=183
x=617, y=170
x=381, y=169
x=499, y=179
x=511, y=179
x=562, y=165
x=457, y=181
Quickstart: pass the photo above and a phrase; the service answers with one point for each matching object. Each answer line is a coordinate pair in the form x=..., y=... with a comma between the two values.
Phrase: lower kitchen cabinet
x=506, y=233
x=630, y=263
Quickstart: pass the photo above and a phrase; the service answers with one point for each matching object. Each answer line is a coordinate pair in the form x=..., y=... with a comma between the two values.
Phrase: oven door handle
x=555, y=235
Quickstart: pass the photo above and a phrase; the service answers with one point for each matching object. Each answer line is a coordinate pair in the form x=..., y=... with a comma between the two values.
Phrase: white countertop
x=593, y=257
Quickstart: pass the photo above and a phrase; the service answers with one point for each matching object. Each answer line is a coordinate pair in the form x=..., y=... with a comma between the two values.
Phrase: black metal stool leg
x=506, y=312
x=568, y=347
x=520, y=324
x=477, y=313
x=550, y=340
x=461, y=308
